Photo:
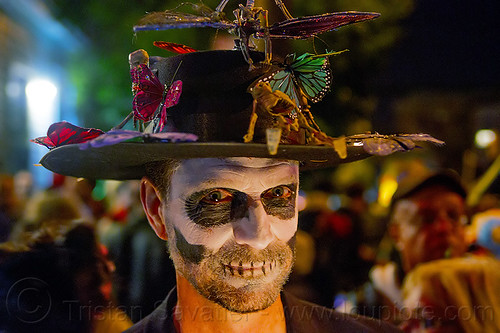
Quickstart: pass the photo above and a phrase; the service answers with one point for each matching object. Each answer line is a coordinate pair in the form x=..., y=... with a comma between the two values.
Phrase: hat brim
x=127, y=160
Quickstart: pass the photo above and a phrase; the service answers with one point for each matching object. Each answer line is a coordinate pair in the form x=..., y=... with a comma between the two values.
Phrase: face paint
x=239, y=206
x=280, y=201
x=216, y=208
x=210, y=208
x=192, y=253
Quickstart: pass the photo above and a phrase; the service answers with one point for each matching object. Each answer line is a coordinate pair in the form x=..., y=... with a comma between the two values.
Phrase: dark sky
x=448, y=44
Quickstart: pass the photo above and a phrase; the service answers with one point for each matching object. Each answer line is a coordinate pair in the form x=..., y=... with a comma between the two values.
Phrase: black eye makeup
x=279, y=201
x=211, y=207
x=217, y=206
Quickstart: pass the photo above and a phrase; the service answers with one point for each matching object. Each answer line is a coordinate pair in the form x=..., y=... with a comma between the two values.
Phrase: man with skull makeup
x=227, y=209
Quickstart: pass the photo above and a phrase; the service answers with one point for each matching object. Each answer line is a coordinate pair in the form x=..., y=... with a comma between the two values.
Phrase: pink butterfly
x=150, y=94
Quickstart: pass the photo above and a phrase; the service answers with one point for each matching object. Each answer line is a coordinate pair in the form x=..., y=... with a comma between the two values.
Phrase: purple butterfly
x=150, y=94
x=116, y=136
x=382, y=145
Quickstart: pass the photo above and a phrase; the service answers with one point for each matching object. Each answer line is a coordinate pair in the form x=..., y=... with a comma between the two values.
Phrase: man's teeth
x=252, y=267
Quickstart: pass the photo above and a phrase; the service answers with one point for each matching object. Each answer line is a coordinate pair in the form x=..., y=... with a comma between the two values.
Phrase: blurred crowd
x=404, y=247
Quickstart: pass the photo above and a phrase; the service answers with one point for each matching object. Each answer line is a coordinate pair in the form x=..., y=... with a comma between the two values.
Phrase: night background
x=421, y=67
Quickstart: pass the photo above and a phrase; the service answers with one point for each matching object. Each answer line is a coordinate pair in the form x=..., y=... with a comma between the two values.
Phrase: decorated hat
x=216, y=104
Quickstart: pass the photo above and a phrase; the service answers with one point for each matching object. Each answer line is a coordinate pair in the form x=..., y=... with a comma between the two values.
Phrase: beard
x=237, y=277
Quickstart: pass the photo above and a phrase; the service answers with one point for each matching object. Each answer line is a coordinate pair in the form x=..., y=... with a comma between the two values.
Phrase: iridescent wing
x=308, y=74
x=175, y=20
x=382, y=145
x=173, y=94
x=283, y=81
x=316, y=84
x=313, y=75
x=64, y=133
x=171, y=98
x=44, y=141
x=308, y=26
x=170, y=137
x=149, y=92
x=111, y=138
x=174, y=47
x=114, y=137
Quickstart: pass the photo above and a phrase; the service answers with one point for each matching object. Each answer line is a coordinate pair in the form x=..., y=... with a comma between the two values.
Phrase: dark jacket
x=300, y=317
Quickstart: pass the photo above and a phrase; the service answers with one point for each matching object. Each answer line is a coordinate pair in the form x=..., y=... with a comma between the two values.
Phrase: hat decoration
x=184, y=107
x=251, y=21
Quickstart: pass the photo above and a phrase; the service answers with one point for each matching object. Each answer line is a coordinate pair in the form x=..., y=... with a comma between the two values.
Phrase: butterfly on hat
x=308, y=75
x=116, y=136
x=64, y=133
x=151, y=98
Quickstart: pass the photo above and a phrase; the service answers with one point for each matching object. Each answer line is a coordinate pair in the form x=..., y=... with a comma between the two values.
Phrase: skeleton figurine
x=279, y=106
x=276, y=103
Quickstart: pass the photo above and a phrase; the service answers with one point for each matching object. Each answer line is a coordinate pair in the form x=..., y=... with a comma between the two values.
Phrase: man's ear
x=152, y=204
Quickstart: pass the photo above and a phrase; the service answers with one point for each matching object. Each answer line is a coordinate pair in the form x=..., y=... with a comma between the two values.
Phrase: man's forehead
x=242, y=162
x=235, y=172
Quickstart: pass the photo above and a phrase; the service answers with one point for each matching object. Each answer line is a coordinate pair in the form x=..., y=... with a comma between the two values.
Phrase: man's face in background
x=430, y=226
x=231, y=226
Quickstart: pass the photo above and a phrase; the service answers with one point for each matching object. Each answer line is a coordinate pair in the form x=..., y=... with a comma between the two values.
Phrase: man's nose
x=254, y=229
x=443, y=223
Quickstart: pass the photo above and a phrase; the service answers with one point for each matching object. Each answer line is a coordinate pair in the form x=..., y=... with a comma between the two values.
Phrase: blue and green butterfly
x=308, y=75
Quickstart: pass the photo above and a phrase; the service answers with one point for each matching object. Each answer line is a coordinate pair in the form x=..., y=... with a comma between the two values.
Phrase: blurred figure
x=43, y=209
x=484, y=232
x=56, y=280
x=23, y=187
x=427, y=222
x=338, y=235
x=79, y=190
x=299, y=283
x=453, y=295
x=144, y=272
x=8, y=206
x=340, y=241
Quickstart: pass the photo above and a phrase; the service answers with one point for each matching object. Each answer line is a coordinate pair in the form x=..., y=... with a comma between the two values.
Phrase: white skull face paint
x=231, y=225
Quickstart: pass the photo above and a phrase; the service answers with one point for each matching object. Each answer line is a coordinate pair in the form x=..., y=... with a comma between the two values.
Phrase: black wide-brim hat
x=216, y=106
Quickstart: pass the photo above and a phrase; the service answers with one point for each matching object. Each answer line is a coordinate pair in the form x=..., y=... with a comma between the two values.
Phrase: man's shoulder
x=160, y=320
x=303, y=316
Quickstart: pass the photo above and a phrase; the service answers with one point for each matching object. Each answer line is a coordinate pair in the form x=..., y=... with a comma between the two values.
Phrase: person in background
x=144, y=272
x=44, y=208
x=56, y=278
x=427, y=222
x=453, y=295
x=9, y=209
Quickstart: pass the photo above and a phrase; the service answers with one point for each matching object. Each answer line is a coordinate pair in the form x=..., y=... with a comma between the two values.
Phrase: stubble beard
x=218, y=278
